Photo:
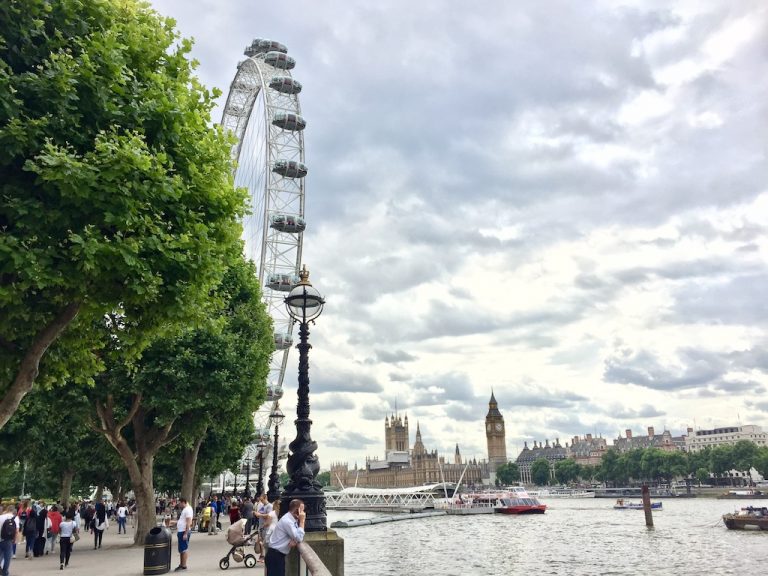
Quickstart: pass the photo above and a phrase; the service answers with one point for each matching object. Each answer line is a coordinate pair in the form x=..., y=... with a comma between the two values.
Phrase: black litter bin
x=157, y=551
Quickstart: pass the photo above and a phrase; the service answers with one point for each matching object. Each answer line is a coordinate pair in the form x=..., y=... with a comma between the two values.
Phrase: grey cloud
x=393, y=357
x=350, y=440
x=630, y=413
x=332, y=379
x=332, y=402
x=739, y=300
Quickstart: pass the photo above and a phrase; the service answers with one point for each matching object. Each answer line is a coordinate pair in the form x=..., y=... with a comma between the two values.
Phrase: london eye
x=263, y=112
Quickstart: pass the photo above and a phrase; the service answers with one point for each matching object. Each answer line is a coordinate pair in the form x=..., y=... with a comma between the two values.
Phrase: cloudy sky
x=565, y=202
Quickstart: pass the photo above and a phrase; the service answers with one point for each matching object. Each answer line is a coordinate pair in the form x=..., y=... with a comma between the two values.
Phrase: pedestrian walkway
x=117, y=557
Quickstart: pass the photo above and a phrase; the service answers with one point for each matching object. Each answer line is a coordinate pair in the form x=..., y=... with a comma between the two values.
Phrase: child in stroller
x=238, y=539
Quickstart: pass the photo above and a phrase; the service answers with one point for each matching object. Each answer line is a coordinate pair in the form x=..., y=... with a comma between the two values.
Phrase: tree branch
x=30, y=364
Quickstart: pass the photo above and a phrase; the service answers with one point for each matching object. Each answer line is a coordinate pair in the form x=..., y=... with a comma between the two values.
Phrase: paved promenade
x=117, y=557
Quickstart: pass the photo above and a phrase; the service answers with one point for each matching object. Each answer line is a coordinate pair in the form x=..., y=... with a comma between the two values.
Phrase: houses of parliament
x=403, y=466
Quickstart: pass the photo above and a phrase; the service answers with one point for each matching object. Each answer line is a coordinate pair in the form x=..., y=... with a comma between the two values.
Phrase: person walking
x=68, y=530
x=246, y=511
x=262, y=513
x=30, y=532
x=7, y=537
x=99, y=525
x=184, y=532
x=288, y=533
x=122, y=517
x=55, y=518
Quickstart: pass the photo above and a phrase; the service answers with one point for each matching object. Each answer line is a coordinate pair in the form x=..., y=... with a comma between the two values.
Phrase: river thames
x=574, y=537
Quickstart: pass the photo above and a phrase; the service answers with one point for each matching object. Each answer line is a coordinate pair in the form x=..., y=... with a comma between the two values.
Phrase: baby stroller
x=237, y=537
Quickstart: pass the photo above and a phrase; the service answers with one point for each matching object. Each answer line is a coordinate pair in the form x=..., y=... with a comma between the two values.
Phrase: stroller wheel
x=224, y=563
x=250, y=561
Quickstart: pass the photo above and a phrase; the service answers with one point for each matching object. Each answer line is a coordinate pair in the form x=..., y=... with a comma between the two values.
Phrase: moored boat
x=518, y=501
x=622, y=504
x=749, y=518
x=744, y=494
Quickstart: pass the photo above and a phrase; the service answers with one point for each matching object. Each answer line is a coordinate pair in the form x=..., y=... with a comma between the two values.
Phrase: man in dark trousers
x=288, y=533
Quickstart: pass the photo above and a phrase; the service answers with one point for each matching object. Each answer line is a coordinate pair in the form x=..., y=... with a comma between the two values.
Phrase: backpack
x=8, y=531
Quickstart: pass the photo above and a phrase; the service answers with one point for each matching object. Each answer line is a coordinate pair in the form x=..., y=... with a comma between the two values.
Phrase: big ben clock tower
x=495, y=434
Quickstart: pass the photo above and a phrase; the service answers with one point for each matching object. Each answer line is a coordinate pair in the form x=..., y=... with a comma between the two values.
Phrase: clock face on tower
x=498, y=426
x=489, y=427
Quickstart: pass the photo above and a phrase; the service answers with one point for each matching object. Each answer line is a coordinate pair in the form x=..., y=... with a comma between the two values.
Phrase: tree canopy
x=116, y=194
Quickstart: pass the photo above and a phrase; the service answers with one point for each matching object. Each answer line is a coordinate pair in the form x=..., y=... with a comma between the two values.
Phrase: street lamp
x=305, y=304
x=248, y=476
x=260, y=486
x=274, y=480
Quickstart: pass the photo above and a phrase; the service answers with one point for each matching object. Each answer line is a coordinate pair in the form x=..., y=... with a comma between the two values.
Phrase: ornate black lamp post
x=305, y=304
x=260, y=486
x=248, y=476
x=274, y=480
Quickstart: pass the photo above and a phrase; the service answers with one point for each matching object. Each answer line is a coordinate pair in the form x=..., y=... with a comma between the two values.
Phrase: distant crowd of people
x=36, y=527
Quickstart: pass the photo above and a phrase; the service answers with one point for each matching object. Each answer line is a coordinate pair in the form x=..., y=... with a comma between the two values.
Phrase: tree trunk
x=189, y=468
x=139, y=461
x=144, y=489
x=67, y=476
x=30, y=363
x=99, y=493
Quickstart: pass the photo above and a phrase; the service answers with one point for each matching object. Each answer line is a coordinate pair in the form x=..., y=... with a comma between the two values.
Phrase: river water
x=574, y=537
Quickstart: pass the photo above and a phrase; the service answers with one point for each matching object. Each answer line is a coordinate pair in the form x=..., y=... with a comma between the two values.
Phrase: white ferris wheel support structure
x=264, y=114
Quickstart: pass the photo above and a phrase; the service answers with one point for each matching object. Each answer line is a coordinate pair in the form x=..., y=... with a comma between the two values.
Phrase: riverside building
x=404, y=466
x=720, y=436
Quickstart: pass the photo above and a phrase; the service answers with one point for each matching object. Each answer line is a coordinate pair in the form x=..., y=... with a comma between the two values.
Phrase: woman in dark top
x=30, y=531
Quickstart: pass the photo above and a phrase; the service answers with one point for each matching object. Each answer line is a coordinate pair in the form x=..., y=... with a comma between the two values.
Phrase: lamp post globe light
x=305, y=304
x=274, y=480
x=260, y=486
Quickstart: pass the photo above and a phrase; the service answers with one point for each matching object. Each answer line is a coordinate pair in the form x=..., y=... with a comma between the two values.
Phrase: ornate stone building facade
x=403, y=466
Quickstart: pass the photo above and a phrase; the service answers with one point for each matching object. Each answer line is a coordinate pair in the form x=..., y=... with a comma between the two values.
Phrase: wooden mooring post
x=647, y=506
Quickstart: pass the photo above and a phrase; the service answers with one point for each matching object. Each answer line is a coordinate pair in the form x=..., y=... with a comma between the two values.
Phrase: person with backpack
x=30, y=531
x=9, y=527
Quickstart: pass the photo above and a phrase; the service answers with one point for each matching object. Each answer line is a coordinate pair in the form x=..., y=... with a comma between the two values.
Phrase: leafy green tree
x=207, y=380
x=116, y=194
x=609, y=470
x=651, y=463
x=324, y=478
x=673, y=465
x=722, y=460
x=702, y=475
x=761, y=461
x=540, y=472
x=744, y=455
x=508, y=473
x=567, y=471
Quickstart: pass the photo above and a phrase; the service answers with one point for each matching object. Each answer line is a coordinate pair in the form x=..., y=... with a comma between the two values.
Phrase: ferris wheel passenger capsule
x=282, y=282
x=285, y=85
x=260, y=46
x=287, y=223
x=283, y=341
x=279, y=60
x=290, y=168
x=289, y=121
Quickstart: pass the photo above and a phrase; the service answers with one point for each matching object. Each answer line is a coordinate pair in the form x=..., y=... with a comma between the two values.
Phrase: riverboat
x=749, y=518
x=561, y=493
x=744, y=494
x=621, y=504
x=515, y=500
x=518, y=501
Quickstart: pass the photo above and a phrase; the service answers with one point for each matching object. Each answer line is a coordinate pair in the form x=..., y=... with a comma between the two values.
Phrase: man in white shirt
x=6, y=546
x=183, y=532
x=288, y=533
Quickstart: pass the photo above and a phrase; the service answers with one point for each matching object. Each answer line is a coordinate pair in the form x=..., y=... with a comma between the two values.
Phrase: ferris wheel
x=264, y=114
